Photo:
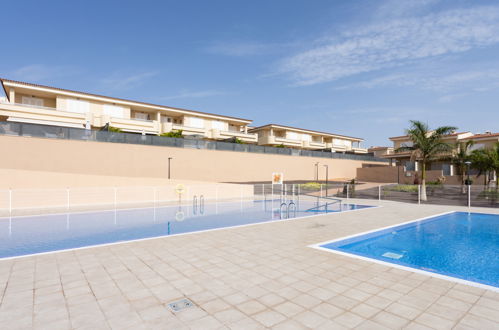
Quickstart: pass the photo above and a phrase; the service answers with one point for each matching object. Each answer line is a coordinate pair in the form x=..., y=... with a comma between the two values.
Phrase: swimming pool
x=458, y=244
x=45, y=233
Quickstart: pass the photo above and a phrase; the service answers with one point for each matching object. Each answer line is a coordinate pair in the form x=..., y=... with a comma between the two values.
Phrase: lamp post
x=468, y=163
x=169, y=160
x=327, y=172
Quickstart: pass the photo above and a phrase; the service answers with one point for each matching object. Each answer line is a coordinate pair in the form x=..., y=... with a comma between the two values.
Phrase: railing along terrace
x=69, y=133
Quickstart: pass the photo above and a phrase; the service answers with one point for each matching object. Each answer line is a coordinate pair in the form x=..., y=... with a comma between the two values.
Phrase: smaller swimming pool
x=460, y=245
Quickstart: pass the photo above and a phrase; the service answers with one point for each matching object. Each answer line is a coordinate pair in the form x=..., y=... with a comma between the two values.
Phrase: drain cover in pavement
x=180, y=305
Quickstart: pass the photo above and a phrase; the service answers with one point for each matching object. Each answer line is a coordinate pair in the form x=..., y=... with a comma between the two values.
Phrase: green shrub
x=173, y=134
x=311, y=186
x=114, y=129
x=238, y=141
x=280, y=146
x=403, y=188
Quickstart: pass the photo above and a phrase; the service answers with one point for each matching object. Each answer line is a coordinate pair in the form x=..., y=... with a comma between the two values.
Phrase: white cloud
x=192, y=94
x=436, y=81
x=120, y=81
x=394, y=42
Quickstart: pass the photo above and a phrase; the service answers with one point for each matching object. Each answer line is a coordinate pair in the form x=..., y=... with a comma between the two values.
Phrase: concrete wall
x=98, y=159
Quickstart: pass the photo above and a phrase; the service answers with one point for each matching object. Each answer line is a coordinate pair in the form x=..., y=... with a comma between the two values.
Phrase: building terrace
x=275, y=135
x=38, y=104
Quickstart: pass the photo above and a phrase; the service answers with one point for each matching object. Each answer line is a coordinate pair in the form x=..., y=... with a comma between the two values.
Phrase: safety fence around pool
x=14, y=202
x=471, y=196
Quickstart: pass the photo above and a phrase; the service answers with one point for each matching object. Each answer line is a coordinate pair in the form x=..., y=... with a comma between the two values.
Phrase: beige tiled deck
x=255, y=277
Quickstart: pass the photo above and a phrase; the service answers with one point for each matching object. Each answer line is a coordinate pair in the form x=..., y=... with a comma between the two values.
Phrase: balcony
x=186, y=130
x=135, y=125
x=314, y=145
x=358, y=150
x=224, y=135
x=41, y=115
x=275, y=140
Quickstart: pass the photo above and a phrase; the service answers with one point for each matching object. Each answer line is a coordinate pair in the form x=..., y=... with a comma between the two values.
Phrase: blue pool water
x=45, y=233
x=459, y=244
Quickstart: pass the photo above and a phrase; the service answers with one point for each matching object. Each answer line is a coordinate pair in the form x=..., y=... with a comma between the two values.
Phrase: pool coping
x=318, y=246
x=175, y=235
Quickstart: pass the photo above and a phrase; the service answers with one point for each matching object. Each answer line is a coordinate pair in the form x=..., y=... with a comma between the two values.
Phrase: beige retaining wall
x=396, y=174
x=81, y=163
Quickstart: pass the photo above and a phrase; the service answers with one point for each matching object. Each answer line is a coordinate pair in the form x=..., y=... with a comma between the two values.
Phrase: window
x=113, y=111
x=306, y=137
x=217, y=124
x=197, y=122
x=32, y=101
x=141, y=116
x=476, y=146
x=166, y=119
x=78, y=106
x=234, y=128
x=292, y=135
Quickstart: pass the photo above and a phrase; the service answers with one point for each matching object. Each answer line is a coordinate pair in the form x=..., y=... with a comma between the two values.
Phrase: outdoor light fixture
x=327, y=171
x=468, y=181
x=169, y=160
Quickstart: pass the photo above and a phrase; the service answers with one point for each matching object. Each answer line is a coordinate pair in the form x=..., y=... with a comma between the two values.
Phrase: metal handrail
x=195, y=204
x=201, y=204
x=289, y=205
x=281, y=210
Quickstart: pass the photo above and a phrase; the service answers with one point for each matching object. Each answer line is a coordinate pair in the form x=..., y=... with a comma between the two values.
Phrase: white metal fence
x=41, y=201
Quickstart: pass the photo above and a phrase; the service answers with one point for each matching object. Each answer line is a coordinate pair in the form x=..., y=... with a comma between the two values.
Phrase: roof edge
x=2, y=80
x=308, y=130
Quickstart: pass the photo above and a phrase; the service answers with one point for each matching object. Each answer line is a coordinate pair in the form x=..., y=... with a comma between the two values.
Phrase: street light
x=327, y=171
x=468, y=163
x=169, y=160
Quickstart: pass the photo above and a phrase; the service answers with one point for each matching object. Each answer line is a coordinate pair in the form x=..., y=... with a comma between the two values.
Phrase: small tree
x=460, y=158
x=427, y=146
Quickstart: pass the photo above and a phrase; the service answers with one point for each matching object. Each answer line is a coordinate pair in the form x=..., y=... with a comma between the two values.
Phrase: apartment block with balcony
x=32, y=103
x=292, y=137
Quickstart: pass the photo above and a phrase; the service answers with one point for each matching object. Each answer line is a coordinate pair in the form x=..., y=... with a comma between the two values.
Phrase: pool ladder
x=285, y=208
x=196, y=205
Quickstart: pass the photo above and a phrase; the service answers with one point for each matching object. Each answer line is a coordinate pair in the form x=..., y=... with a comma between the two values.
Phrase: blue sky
x=359, y=67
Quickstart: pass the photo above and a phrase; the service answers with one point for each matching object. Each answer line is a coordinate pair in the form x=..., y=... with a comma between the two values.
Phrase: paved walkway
x=255, y=277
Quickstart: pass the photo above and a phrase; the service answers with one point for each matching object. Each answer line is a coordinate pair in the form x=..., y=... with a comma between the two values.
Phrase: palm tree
x=427, y=146
x=481, y=160
x=486, y=161
x=460, y=158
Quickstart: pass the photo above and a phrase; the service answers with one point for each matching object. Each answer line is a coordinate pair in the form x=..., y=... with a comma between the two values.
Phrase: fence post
x=263, y=192
x=115, y=201
x=67, y=193
x=469, y=195
x=419, y=194
x=154, y=198
x=272, y=191
x=348, y=190
x=10, y=202
x=321, y=190
x=379, y=192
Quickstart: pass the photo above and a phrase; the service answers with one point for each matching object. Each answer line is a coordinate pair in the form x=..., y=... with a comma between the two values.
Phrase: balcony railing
x=29, y=106
x=46, y=131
